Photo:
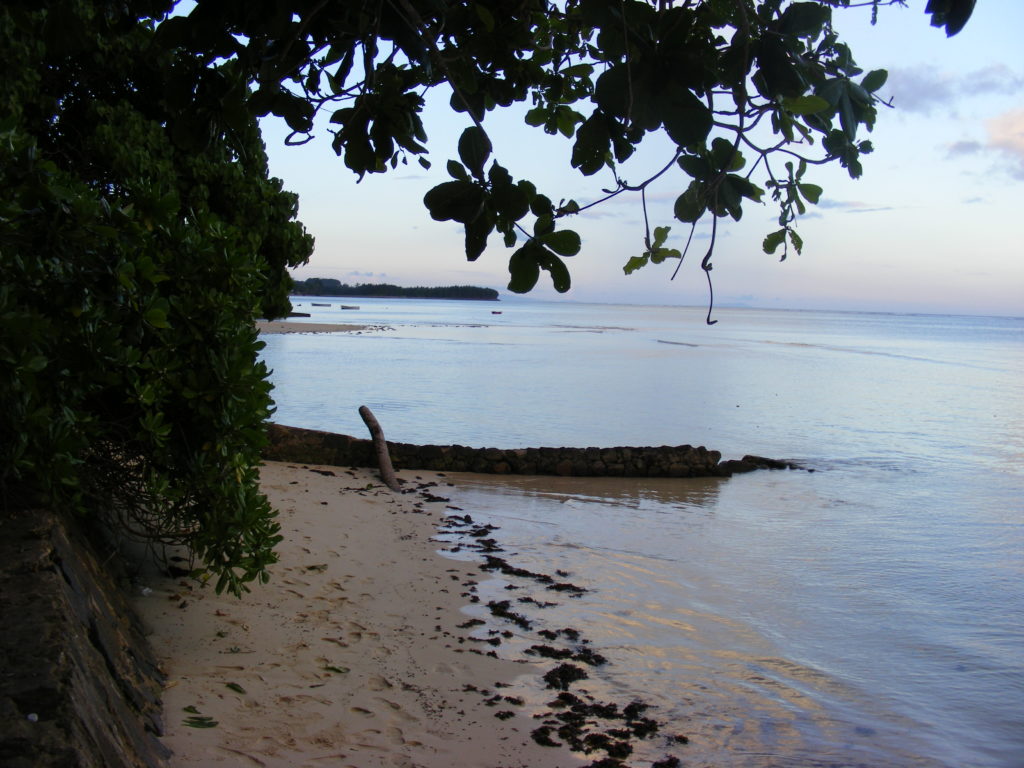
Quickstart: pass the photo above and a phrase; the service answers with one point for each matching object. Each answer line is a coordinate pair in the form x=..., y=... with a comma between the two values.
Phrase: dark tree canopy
x=134, y=260
x=140, y=233
x=750, y=92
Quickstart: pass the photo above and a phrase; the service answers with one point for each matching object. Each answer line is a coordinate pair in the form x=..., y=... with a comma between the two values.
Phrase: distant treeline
x=325, y=286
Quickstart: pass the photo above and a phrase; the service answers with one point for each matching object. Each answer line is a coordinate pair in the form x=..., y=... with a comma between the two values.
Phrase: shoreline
x=354, y=652
x=287, y=326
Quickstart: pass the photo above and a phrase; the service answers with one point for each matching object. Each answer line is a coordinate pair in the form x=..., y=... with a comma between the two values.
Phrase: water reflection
x=703, y=611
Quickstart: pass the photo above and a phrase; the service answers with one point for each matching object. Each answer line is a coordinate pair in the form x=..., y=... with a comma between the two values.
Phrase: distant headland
x=325, y=286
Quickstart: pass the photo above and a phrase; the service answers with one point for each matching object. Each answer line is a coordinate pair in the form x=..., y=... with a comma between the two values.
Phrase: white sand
x=349, y=656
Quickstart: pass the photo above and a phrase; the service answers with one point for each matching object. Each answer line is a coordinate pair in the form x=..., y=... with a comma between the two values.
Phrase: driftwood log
x=380, y=445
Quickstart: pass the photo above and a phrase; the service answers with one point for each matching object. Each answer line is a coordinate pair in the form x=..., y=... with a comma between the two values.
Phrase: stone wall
x=79, y=687
x=315, y=447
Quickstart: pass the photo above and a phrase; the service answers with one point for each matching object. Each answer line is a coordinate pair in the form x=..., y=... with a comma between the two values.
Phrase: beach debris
x=235, y=687
x=576, y=721
x=198, y=720
x=500, y=608
x=564, y=675
x=542, y=736
x=387, y=472
x=583, y=654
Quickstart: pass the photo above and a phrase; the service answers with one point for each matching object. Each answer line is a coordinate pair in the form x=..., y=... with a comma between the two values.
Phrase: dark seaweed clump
x=564, y=675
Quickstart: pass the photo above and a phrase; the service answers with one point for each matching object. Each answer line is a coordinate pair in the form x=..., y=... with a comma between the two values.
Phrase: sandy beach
x=352, y=655
x=288, y=326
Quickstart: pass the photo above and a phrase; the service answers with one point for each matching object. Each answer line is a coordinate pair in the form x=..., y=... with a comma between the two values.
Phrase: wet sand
x=287, y=326
x=352, y=655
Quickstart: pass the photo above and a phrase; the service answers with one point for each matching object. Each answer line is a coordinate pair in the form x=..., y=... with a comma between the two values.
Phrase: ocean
x=868, y=613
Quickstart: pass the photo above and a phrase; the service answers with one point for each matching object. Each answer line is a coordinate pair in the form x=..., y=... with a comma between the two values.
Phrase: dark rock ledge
x=79, y=687
x=316, y=447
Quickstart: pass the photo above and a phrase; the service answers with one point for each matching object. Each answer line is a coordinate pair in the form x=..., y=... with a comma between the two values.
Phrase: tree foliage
x=751, y=94
x=140, y=233
x=135, y=251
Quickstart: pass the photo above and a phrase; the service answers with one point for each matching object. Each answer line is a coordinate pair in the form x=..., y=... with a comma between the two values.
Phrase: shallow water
x=868, y=613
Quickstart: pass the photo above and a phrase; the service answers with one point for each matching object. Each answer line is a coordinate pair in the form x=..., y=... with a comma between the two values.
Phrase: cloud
x=1006, y=136
x=921, y=89
x=997, y=78
x=963, y=148
x=851, y=206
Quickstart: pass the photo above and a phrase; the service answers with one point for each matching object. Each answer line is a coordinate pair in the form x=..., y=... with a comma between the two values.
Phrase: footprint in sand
x=377, y=683
x=397, y=737
x=397, y=709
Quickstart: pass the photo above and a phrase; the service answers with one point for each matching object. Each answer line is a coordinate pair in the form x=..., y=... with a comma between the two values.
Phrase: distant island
x=325, y=286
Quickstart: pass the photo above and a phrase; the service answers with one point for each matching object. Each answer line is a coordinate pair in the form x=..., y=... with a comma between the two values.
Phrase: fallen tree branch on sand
x=387, y=472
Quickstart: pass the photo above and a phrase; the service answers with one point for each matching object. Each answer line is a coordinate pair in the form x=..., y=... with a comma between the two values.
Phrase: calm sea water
x=870, y=613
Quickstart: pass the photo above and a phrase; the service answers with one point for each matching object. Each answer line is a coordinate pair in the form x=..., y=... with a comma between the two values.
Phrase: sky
x=933, y=225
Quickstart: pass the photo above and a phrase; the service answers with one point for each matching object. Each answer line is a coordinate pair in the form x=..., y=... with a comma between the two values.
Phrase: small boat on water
x=495, y=311
x=348, y=306
x=314, y=304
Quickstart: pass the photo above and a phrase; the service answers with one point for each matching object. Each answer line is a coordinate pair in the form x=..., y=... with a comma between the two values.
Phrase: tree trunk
x=387, y=472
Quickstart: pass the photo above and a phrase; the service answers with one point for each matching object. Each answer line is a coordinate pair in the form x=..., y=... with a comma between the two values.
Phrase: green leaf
x=564, y=242
x=457, y=171
x=235, y=687
x=477, y=231
x=200, y=721
x=635, y=263
x=544, y=225
x=555, y=267
x=695, y=166
x=804, y=19
x=811, y=192
x=592, y=149
x=536, y=117
x=36, y=364
x=690, y=206
x=686, y=119
x=156, y=317
x=874, y=80
x=524, y=270
x=612, y=92
x=474, y=149
x=805, y=105
x=460, y=201
x=797, y=241
x=773, y=241
x=658, y=255
x=726, y=156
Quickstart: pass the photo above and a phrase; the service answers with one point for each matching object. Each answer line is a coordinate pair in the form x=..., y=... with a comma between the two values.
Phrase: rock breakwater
x=314, y=446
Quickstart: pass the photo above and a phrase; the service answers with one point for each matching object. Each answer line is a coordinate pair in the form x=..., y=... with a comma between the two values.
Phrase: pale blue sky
x=934, y=225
